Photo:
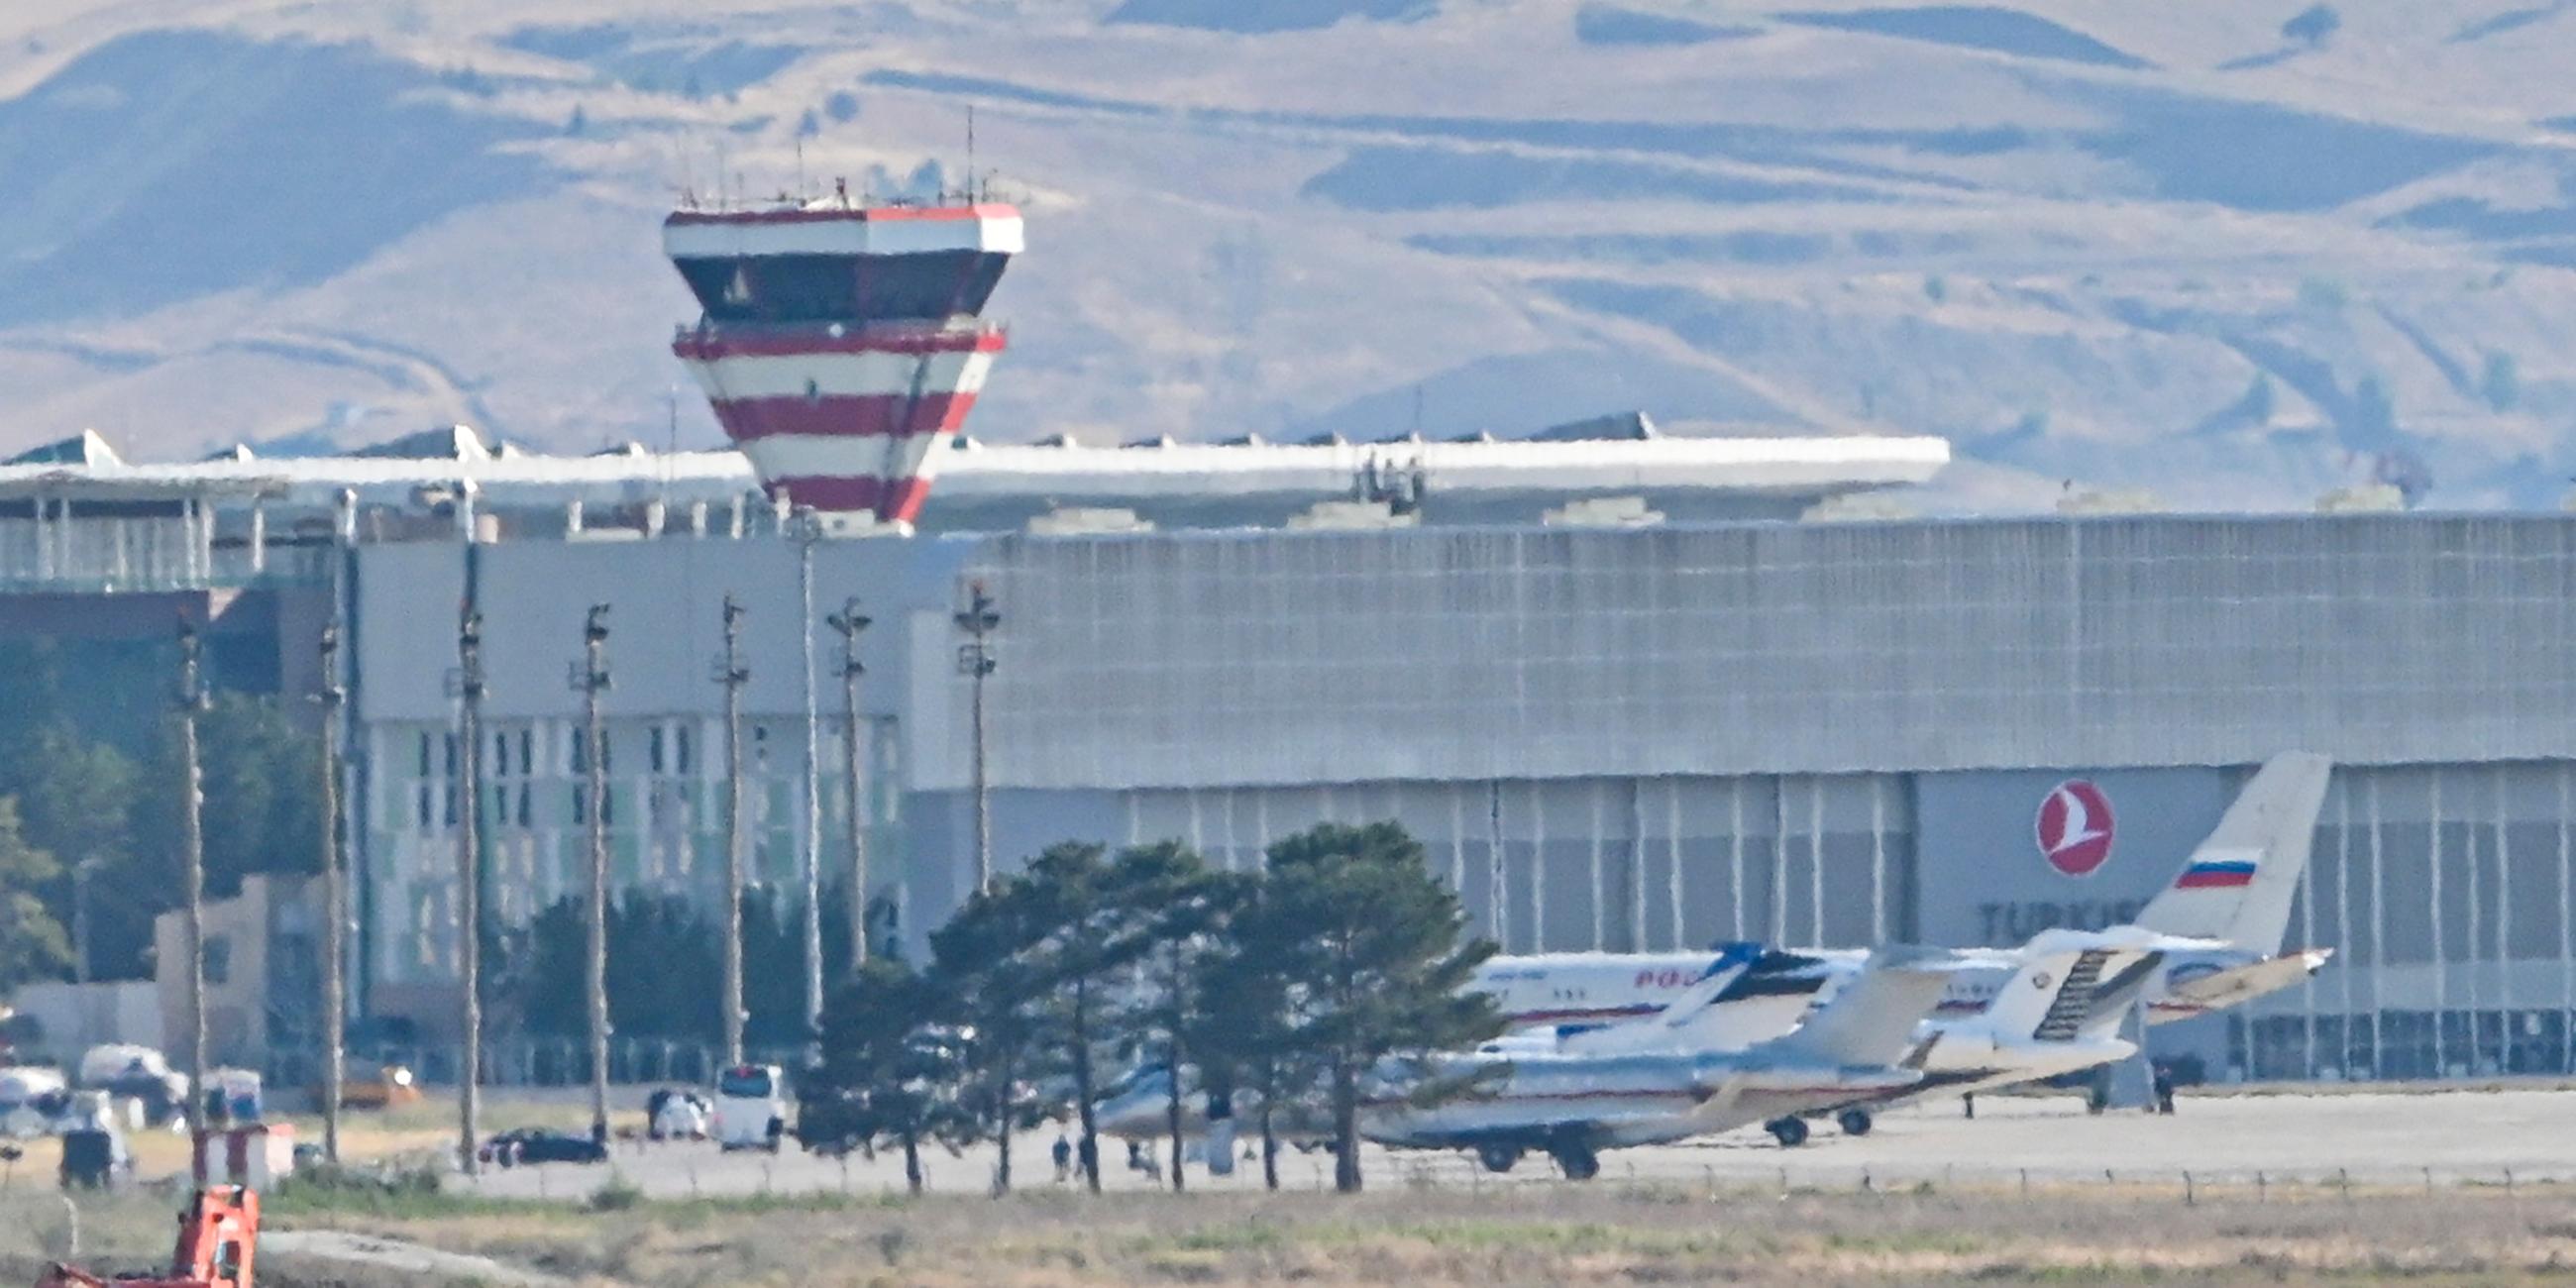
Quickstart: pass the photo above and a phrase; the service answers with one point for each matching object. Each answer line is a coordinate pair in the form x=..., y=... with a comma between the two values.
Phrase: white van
x=751, y=1107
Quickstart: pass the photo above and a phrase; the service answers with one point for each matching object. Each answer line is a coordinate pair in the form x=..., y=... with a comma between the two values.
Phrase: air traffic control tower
x=843, y=343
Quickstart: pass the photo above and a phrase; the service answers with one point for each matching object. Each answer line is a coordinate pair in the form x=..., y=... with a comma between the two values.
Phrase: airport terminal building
x=1617, y=727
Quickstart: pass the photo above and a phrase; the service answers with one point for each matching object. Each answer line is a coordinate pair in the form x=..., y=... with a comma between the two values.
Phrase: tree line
x=1289, y=989
x=665, y=954
x=89, y=781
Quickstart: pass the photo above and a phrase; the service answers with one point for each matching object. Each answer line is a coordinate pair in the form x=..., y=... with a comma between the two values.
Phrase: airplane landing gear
x=1790, y=1132
x=1578, y=1161
x=1498, y=1158
x=1854, y=1122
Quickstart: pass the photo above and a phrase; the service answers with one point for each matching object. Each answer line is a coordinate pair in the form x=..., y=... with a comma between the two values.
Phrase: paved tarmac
x=2364, y=1138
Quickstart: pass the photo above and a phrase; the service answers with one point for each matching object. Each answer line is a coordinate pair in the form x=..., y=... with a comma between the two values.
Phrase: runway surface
x=2373, y=1139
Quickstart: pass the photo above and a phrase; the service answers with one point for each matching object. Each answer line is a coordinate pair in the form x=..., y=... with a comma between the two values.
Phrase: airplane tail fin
x=1730, y=964
x=2239, y=883
x=1704, y=1016
x=1872, y=1019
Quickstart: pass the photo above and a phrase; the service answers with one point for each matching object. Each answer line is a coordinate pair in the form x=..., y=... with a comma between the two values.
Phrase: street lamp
x=975, y=659
x=192, y=795
x=469, y=878
x=732, y=674
x=809, y=529
x=849, y=622
x=335, y=903
x=592, y=680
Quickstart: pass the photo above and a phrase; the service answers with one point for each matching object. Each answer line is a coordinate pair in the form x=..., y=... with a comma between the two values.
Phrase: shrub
x=616, y=1194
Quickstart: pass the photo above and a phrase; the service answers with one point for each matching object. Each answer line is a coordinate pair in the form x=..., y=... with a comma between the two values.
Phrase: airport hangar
x=1612, y=732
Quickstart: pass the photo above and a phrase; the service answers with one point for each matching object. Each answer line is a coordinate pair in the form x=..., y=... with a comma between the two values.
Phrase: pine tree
x=1373, y=953
x=1182, y=908
x=1246, y=1039
x=891, y=1062
x=32, y=943
x=1088, y=924
x=986, y=958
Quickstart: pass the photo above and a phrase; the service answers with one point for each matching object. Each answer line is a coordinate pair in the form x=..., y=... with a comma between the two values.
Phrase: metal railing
x=126, y=555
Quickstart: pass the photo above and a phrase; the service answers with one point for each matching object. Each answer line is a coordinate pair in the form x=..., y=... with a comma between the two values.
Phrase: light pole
x=82, y=872
x=469, y=879
x=808, y=531
x=593, y=682
x=975, y=659
x=335, y=912
x=732, y=674
x=192, y=843
x=849, y=622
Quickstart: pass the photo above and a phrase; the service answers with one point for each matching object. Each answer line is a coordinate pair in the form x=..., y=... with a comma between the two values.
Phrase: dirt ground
x=1640, y=1233
x=2443, y=1189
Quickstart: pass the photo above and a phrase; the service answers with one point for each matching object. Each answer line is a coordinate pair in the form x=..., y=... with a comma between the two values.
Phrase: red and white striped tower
x=843, y=344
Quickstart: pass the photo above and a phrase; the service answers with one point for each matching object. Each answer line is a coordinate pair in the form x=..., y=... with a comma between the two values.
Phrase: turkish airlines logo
x=2074, y=828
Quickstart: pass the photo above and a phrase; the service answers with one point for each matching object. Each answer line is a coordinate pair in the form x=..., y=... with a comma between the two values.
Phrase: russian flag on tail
x=2216, y=873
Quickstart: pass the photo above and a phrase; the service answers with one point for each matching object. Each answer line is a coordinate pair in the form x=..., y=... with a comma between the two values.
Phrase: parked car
x=31, y=1098
x=540, y=1145
x=671, y=1113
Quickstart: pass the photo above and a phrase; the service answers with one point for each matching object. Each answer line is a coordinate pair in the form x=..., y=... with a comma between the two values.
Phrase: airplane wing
x=2235, y=985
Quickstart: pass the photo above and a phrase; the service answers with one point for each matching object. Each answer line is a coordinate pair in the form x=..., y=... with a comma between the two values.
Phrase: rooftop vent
x=83, y=448
x=1603, y=512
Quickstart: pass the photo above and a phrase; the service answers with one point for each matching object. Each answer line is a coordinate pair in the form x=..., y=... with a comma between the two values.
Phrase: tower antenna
x=970, y=154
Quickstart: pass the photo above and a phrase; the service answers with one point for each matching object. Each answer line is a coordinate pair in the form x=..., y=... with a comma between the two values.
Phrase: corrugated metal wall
x=1609, y=864
x=1217, y=659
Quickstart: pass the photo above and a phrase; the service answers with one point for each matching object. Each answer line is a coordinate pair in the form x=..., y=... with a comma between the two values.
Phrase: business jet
x=1593, y=1093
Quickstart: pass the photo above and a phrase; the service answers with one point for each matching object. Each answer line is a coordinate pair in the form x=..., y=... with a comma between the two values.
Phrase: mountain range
x=2232, y=254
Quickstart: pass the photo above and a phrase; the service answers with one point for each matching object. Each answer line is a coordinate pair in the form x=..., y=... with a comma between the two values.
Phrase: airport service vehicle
x=218, y=1240
x=1573, y=1103
x=2235, y=892
x=236, y=1094
x=751, y=1107
x=538, y=1145
x=386, y=1086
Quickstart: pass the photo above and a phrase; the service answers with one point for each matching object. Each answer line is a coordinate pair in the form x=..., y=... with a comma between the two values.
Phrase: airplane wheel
x=1579, y=1163
x=1498, y=1158
x=1854, y=1122
x=1790, y=1132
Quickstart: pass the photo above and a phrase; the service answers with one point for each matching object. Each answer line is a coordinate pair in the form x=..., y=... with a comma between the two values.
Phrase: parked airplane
x=2058, y=1013
x=2023, y=1035
x=2209, y=941
x=2236, y=890
x=1137, y=1106
x=1574, y=1102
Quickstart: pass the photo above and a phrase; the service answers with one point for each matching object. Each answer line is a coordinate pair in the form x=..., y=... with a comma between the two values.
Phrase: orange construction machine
x=217, y=1236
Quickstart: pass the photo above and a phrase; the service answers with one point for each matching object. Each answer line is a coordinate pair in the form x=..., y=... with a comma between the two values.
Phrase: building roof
x=1060, y=470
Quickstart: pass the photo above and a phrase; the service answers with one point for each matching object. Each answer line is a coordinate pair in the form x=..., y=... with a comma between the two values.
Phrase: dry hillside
x=2234, y=253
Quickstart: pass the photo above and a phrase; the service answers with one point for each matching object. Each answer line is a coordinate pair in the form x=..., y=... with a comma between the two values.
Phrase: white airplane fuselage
x=1619, y=1100
x=1553, y=992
